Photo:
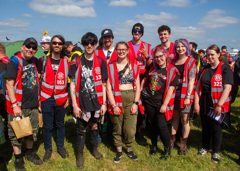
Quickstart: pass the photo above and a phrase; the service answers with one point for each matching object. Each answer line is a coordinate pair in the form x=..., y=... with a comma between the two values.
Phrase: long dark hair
x=63, y=47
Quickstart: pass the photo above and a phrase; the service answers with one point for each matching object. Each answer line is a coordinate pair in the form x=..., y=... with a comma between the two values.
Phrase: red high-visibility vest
x=190, y=62
x=97, y=77
x=171, y=73
x=170, y=51
x=101, y=54
x=217, y=89
x=5, y=59
x=114, y=81
x=55, y=84
x=18, y=84
x=134, y=58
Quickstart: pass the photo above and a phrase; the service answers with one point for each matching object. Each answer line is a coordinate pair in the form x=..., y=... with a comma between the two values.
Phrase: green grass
x=190, y=161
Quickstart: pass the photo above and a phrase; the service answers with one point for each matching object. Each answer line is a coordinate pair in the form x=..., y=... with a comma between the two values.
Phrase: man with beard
x=164, y=33
x=54, y=96
x=22, y=99
x=88, y=75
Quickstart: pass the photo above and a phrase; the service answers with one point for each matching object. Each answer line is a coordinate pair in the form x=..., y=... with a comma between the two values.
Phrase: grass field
x=190, y=161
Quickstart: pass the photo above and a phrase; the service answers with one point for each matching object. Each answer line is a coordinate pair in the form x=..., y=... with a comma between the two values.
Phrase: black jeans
x=157, y=124
x=211, y=130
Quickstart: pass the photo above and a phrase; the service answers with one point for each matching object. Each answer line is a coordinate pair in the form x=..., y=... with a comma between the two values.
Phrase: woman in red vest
x=158, y=93
x=213, y=94
x=187, y=67
x=123, y=92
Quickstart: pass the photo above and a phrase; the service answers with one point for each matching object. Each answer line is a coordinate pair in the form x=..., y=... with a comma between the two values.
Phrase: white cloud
x=12, y=22
x=27, y=15
x=216, y=19
x=189, y=32
x=175, y=3
x=68, y=8
x=128, y=3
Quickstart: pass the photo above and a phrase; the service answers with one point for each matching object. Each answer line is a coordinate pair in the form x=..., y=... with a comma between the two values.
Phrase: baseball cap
x=30, y=40
x=139, y=27
x=107, y=32
x=46, y=39
x=224, y=47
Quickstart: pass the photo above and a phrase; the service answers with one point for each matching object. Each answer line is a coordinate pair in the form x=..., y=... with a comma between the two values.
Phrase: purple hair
x=185, y=43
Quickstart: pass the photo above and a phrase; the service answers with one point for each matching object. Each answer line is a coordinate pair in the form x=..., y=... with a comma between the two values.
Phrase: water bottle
x=2, y=136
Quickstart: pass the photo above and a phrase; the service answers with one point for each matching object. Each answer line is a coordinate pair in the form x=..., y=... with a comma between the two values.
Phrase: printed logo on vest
x=60, y=76
x=98, y=70
x=218, y=77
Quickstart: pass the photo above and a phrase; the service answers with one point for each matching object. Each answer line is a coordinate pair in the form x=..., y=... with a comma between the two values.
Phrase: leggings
x=157, y=124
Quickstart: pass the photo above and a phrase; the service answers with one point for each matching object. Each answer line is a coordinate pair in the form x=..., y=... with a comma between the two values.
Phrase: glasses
x=29, y=47
x=160, y=56
x=59, y=43
x=87, y=43
x=135, y=31
x=121, y=50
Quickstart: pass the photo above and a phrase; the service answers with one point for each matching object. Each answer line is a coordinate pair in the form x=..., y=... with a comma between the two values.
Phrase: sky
x=205, y=22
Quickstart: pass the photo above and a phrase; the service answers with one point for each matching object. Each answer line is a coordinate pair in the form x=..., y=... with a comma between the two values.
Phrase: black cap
x=224, y=47
x=138, y=26
x=107, y=32
x=68, y=43
x=30, y=40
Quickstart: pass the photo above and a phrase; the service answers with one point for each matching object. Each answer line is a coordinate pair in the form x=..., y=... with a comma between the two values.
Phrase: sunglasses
x=59, y=43
x=87, y=43
x=135, y=31
x=29, y=47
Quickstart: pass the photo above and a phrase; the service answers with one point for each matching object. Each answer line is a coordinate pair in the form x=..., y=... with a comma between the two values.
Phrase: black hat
x=68, y=43
x=107, y=32
x=138, y=26
x=30, y=40
x=224, y=47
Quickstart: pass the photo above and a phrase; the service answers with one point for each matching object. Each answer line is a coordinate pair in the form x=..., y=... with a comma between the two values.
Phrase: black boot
x=80, y=146
x=166, y=154
x=94, y=143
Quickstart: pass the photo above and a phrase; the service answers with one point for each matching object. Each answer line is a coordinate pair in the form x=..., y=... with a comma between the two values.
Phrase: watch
x=136, y=102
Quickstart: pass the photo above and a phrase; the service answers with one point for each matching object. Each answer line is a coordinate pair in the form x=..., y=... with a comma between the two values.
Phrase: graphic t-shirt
x=29, y=82
x=156, y=85
x=87, y=93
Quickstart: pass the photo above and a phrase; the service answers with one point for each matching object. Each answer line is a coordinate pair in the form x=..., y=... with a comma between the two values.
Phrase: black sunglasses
x=29, y=47
x=87, y=43
x=59, y=43
x=135, y=31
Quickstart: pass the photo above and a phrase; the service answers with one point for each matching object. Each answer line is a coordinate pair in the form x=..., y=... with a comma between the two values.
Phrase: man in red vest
x=164, y=33
x=107, y=51
x=88, y=75
x=54, y=96
x=22, y=86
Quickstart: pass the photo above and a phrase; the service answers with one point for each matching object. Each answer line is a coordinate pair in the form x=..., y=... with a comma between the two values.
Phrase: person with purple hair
x=158, y=89
x=184, y=92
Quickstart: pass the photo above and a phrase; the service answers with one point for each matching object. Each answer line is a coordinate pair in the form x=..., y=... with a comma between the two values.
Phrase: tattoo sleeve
x=192, y=76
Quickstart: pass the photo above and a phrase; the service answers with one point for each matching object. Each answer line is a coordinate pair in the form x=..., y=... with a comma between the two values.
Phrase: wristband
x=219, y=105
x=187, y=97
x=104, y=103
x=14, y=105
x=136, y=102
x=147, y=57
x=114, y=107
x=14, y=102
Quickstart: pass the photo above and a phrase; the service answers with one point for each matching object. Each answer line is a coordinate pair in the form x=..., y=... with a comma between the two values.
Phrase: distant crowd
x=127, y=87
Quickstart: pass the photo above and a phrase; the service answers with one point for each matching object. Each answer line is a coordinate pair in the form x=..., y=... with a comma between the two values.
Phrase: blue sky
x=205, y=22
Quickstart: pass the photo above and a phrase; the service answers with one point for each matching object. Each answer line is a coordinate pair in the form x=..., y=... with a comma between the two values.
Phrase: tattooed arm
x=191, y=81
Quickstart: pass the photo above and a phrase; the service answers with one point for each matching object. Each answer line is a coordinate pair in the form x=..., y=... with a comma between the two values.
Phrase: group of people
x=118, y=83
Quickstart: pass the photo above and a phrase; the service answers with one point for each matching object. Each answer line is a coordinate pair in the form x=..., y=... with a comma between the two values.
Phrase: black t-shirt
x=29, y=82
x=87, y=94
x=156, y=84
x=2, y=66
x=227, y=77
x=54, y=63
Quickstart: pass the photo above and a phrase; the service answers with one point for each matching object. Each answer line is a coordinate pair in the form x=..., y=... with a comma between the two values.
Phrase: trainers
x=97, y=154
x=118, y=157
x=216, y=157
x=131, y=155
x=202, y=152
x=153, y=150
x=19, y=164
x=47, y=155
x=63, y=153
x=33, y=157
